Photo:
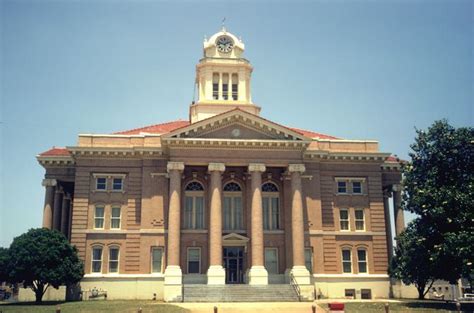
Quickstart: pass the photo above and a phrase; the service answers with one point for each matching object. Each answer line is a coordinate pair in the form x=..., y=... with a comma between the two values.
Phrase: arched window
x=232, y=218
x=96, y=259
x=271, y=206
x=194, y=205
x=362, y=260
x=114, y=259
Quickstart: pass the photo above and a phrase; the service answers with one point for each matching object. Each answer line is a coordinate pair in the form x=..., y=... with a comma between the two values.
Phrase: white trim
x=118, y=259
x=344, y=233
x=96, y=218
x=162, y=258
x=95, y=260
x=351, y=276
x=99, y=275
x=109, y=175
x=112, y=218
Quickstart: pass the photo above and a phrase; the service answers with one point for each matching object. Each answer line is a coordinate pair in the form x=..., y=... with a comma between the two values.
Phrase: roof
x=56, y=151
x=156, y=129
x=173, y=125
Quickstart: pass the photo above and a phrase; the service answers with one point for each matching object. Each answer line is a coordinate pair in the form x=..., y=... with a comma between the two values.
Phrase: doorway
x=233, y=264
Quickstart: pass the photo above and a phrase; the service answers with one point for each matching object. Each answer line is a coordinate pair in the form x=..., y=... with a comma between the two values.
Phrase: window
x=366, y=294
x=115, y=218
x=194, y=206
x=99, y=217
x=308, y=259
x=344, y=219
x=271, y=206
x=194, y=260
x=101, y=183
x=359, y=219
x=341, y=187
x=113, y=260
x=156, y=259
x=362, y=260
x=96, y=259
x=235, y=91
x=349, y=293
x=346, y=261
x=225, y=91
x=117, y=184
x=232, y=206
x=271, y=260
x=357, y=187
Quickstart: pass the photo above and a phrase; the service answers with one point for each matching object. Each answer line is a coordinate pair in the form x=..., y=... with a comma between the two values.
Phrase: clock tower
x=222, y=78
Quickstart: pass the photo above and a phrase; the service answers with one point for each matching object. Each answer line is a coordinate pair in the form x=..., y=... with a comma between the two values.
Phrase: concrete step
x=240, y=293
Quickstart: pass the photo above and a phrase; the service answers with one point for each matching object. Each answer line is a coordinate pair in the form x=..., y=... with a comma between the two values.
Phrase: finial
x=223, y=25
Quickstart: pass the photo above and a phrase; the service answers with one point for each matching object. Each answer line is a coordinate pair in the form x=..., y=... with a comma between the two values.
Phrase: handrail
x=295, y=285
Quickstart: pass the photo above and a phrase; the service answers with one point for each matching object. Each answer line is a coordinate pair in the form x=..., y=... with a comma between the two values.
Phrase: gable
x=237, y=125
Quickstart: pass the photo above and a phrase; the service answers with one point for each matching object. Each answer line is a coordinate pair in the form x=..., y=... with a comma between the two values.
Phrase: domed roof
x=211, y=42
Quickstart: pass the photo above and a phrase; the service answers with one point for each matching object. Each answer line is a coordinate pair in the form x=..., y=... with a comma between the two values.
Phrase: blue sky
x=353, y=69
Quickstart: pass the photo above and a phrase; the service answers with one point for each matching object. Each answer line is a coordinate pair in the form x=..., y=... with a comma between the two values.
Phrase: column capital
x=175, y=166
x=296, y=168
x=219, y=167
x=257, y=167
x=49, y=182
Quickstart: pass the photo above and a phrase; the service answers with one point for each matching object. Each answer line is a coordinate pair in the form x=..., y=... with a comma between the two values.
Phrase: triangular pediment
x=237, y=125
x=234, y=237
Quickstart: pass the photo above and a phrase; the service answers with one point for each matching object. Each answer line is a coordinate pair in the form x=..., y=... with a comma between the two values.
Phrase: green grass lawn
x=130, y=306
x=405, y=306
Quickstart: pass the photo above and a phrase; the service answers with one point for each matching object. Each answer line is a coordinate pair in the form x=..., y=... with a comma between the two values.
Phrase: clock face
x=235, y=132
x=224, y=44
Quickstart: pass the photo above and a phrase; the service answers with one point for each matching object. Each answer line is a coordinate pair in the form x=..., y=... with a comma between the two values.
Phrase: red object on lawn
x=336, y=306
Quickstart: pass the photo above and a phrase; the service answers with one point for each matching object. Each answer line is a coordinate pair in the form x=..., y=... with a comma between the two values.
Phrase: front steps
x=240, y=293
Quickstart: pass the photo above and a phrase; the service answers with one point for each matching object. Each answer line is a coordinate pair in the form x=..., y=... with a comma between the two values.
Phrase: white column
x=220, y=87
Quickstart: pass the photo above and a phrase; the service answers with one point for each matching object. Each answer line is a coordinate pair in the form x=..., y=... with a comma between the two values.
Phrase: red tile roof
x=56, y=151
x=311, y=134
x=393, y=159
x=156, y=129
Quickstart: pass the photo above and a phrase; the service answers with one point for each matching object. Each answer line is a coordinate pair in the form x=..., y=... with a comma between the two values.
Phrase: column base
x=257, y=275
x=216, y=275
x=301, y=275
x=173, y=284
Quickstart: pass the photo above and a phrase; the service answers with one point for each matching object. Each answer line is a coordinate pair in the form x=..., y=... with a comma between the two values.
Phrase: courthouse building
x=225, y=197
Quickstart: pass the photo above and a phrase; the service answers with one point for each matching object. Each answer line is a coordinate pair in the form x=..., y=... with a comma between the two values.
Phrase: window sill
x=274, y=231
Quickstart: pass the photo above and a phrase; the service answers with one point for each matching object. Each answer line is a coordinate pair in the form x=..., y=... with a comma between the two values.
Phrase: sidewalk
x=260, y=307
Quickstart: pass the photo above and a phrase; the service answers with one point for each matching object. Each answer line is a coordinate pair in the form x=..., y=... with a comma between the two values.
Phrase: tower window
x=215, y=91
x=225, y=91
x=235, y=91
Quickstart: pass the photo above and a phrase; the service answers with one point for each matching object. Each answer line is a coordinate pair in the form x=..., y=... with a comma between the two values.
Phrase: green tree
x=41, y=258
x=413, y=260
x=439, y=188
x=3, y=264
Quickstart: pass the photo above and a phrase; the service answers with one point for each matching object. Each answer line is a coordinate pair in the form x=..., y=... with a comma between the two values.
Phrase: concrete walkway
x=259, y=307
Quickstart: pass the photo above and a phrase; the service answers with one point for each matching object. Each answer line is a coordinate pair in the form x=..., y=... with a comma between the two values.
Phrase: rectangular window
x=117, y=184
x=271, y=260
x=225, y=91
x=346, y=261
x=113, y=260
x=99, y=217
x=215, y=91
x=156, y=260
x=227, y=213
x=357, y=187
x=362, y=260
x=194, y=261
x=199, y=214
x=366, y=294
x=235, y=91
x=271, y=213
x=188, y=213
x=115, y=218
x=96, y=259
x=344, y=219
x=308, y=259
x=275, y=213
x=341, y=187
x=237, y=216
x=359, y=219
x=266, y=210
x=101, y=183
x=350, y=293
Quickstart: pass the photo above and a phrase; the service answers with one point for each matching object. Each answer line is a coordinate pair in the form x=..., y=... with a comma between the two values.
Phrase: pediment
x=234, y=238
x=237, y=125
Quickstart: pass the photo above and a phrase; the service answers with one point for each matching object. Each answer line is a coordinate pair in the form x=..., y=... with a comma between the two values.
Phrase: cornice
x=345, y=156
x=237, y=143
x=115, y=152
x=55, y=160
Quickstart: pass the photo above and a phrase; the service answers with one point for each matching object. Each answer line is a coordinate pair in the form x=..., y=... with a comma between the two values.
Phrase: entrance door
x=233, y=264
